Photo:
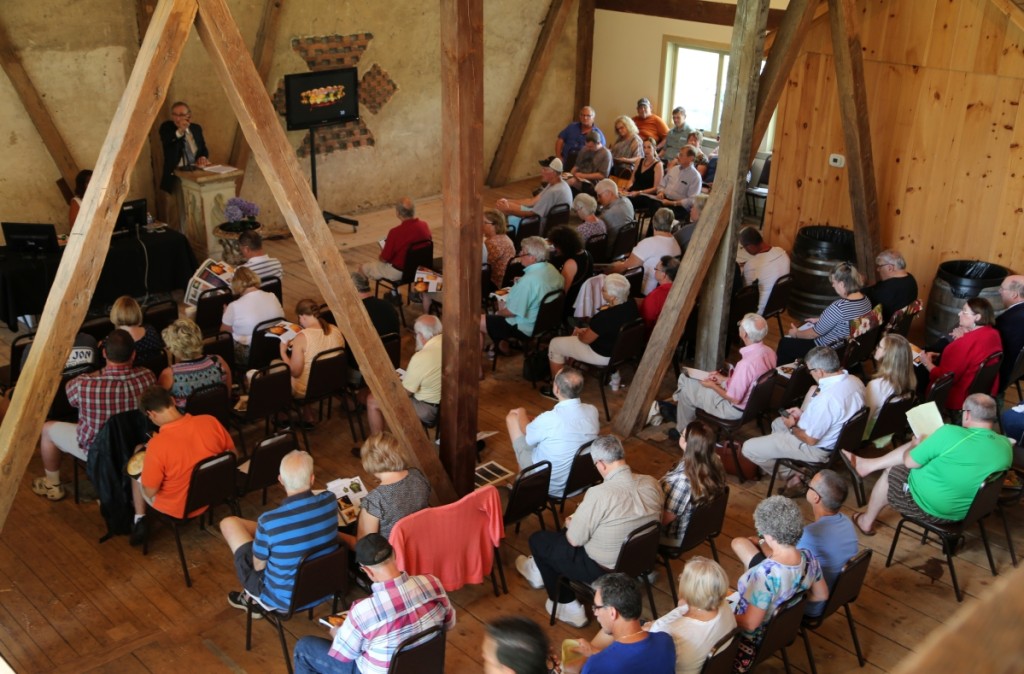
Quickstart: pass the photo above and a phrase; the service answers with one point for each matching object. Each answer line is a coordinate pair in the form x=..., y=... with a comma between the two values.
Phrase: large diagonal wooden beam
x=462, y=181
x=698, y=11
x=263, y=55
x=36, y=109
x=276, y=159
x=529, y=90
x=584, y=52
x=853, y=108
x=76, y=278
x=144, y=10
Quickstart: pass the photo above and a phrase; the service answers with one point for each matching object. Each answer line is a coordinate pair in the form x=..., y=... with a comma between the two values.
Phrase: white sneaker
x=572, y=613
x=527, y=568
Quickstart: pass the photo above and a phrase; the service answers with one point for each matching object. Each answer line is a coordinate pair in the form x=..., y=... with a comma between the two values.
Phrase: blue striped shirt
x=302, y=522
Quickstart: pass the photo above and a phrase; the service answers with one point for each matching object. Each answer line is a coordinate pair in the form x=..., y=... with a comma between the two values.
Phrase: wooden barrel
x=956, y=282
x=816, y=251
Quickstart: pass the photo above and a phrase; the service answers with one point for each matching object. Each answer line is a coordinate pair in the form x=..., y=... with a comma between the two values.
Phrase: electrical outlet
x=836, y=160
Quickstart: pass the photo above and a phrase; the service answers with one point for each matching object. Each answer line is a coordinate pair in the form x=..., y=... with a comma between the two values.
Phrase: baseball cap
x=644, y=101
x=372, y=549
x=553, y=163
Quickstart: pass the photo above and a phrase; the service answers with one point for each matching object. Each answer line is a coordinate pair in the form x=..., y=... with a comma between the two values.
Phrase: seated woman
x=594, y=344
x=697, y=478
x=974, y=340
x=647, y=177
x=126, y=314
x=252, y=307
x=627, y=150
x=776, y=572
x=576, y=265
x=500, y=249
x=191, y=369
x=317, y=336
x=402, y=490
x=894, y=374
x=586, y=209
x=834, y=323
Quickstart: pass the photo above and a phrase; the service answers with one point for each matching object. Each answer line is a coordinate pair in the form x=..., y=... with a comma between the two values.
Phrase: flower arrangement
x=240, y=209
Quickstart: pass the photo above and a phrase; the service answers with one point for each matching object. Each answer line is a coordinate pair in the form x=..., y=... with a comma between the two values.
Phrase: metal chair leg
x=1009, y=539
x=988, y=548
x=853, y=635
x=807, y=647
x=181, y=555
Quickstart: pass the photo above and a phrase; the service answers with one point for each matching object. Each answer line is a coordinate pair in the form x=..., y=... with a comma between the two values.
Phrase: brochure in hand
x=350, y=492
x=211, y=274
x=286, y=331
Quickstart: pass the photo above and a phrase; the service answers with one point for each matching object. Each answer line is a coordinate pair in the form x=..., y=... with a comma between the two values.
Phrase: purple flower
x=238, y=209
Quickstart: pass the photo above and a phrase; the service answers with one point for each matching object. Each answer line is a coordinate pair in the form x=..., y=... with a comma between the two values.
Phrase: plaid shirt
x=398, y=609
x=100, y=395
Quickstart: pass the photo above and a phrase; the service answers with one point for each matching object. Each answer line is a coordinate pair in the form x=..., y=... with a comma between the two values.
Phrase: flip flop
x=851, y=465
x=860, y=530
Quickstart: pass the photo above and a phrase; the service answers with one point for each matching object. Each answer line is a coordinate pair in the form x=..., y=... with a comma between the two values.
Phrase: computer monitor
x=132, y=216
x=29, y=237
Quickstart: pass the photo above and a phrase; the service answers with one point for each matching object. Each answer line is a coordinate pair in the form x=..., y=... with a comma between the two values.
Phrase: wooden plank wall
x=944, y=84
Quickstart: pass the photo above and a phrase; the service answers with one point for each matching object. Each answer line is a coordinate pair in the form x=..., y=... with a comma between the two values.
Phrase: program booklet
x=334, y=620
x=427, y=281
x=286, y=331
x=350, y=492
x=211, y=274
x=924, y=419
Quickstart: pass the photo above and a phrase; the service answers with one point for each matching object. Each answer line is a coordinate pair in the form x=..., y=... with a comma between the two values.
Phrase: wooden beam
x=853, y=108
x=276, y=158
x=462, y=173
x=263, y=55
x=143, y=15
x=725, y=200
x=36, y=109
x=529, y=90
x=76, y=278
x=699, y=11
x=1014, y=11
x=584, y=52
x=820, y=10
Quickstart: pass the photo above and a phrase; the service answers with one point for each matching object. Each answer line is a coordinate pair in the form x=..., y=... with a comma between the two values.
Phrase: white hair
x=584, y=204
x=607, y=185
x=536, y=247
x=427, y=327
x=617, y=286
x=755, y=327
x=296, y=470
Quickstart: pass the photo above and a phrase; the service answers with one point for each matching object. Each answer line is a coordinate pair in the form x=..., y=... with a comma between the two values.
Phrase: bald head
x=405, y=208
x=1012, y=290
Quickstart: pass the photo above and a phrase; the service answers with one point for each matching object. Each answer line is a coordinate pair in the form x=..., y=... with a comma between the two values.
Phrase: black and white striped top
x=834, y=323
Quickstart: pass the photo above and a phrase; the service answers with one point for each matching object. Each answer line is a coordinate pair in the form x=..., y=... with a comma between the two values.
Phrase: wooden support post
x=529, y=90
x=144, y=10
x=78, y=272
x=276, y=158
x=853, y=107
x=462, y=172
x=584, y=51
x=263, y=55
x=36, y=109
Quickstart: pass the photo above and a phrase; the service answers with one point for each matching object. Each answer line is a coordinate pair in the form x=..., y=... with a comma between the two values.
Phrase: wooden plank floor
x=70, y=604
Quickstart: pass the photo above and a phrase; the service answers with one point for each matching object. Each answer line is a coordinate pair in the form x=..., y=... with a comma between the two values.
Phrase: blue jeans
x=1013, y=424
x=311, y=658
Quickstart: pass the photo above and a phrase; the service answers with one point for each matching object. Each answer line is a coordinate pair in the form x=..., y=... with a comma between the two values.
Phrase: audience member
x=316, y=336
x=697, y=478
x=500, y=249
x=250, y=244
x=700, y=162
x=809, y=433
x=590, y=225
x=896, y=287
x=83, y=357
x=267, y=552
x=974, y=341
x=75, y=205
x=627, y=150
x=400, y=238
x=572, y=138
x=514, y=645
x=593, y=163
x=831, y=537
x=680, y=185
x=253, y=306
x=647, y=177
x=126, y=314
x=651, y=305
x=726, y=397
x=767, y=264
x=400, y=607
x=556, y=192
x=1010, y=325
x=894, y=375
x=677, y=136
x=192, y=369
x=383, y=316
x=616, y=210
x=557, y=434
x=1012, y=421
x=648, y=124
x=98, y=396
x=936, y=478
x=649, y=251
x=576, y=265
x=591, y=543
x=422, y=378
x=834, y=323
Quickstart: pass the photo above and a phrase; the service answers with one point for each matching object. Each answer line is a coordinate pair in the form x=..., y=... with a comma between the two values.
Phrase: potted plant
x=240, y=215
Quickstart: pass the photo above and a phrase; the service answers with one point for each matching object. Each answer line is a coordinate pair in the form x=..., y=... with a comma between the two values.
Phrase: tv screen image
x=321, y=97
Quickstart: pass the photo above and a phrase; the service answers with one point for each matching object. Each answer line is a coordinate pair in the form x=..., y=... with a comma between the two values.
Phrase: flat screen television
x=132, y=216
x=28, y=237
x=321, y=97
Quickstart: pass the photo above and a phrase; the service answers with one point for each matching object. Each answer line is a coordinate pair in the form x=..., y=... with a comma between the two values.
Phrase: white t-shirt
x=248, y=311
x=650, y=251
x=694, y=638
x=766, y=268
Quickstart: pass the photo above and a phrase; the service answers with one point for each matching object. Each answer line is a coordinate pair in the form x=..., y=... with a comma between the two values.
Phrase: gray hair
x=570, y=382
x=427, y=327
x=780, y=518
x=823, y=358
x=607, y=448
x=981, y=406
x=606, y=185
x=663, y=219
x=360, y=281
x=890, y=256
x=584, y=204
x=831, y=488
x=617, y=287
x=847, y=274
x=405, y=208
x=535, y=247
x=755, y=326
x=296, y=470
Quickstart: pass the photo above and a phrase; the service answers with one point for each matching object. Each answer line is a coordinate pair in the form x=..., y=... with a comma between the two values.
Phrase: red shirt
x=651, y=307
x=400, y=238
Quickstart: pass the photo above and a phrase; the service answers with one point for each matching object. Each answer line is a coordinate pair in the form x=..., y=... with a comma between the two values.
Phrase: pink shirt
x=755, y=360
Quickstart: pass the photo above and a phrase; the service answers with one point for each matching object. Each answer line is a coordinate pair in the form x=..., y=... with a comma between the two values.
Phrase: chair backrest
x=270, y=392
x=862, y=347
x=766, y=172
x=420, y=254
x=938, y=392
x=320, y=576
x=597, y=245
x=899, y=322
x=529, y=492
x=528, y=226
x=265, y=462
x=557, y=215
x=421, y=653
x=800, y=382
x=1015, y=375
x=722, y=654
x=212, y=483
x=985, y=379
x=847, y=584
x=986, y=500
x=221, y=344
x=98, y=328
x=744, y=301
x=630, y=343
x=18, y=347
x=852, y=433
x=755, y=172
x=782, y=629
x=583, y=473
x=60, y=408
x=155, y=363
x=263, y=347
x=214, y=400
x=272, y=284
x=625, y=241
x=706, y=521
x=513, y=270
x=549, y=316
x=778, y=298
x=327, y=374
x=760, y=397
x=635, y=276
x=639, y=552
x=892, y=418
x=393, y=345
x=210, y=309
x=160, y=314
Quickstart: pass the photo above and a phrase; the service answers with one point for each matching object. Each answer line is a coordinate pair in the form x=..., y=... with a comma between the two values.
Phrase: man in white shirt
x=250, y=244
x=767, y=264
x=649, y=251
x=680, y=185
x=556, y=191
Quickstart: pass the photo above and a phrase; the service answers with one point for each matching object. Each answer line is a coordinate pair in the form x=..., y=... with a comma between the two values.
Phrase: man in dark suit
x=1010, y=325
x=183, y=144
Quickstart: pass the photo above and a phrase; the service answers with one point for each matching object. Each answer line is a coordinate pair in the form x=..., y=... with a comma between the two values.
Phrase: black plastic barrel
x=816, y=251
x=956, y=282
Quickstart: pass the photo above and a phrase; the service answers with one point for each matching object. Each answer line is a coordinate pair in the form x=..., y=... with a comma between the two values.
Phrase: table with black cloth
x=154, y=262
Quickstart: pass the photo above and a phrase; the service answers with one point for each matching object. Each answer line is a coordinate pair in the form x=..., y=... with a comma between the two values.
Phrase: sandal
x=851, y=465
x=861, y=530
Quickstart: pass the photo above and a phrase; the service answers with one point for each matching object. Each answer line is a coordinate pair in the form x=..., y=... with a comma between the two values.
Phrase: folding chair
x=844, y=592
x=419, y=254
x=706, y=522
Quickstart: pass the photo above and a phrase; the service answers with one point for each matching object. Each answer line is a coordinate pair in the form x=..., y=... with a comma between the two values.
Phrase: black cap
x=373, y=549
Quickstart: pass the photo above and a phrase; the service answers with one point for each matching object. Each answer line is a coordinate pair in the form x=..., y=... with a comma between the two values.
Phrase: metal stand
x=328, y=216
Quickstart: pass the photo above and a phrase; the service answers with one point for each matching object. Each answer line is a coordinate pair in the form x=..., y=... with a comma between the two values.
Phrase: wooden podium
x=202, y=198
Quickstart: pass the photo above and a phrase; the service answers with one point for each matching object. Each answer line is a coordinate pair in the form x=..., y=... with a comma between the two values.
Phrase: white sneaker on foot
x=43, y=488
x=572, y=613
x=527, y=568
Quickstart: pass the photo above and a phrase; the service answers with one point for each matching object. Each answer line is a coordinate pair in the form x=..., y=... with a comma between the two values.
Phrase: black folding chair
x=421, y=653
x=272, y=284
x=583, y=475
x=706, y=522
x=624, y=242
x=419, y=254
x=892, y=420
x=264, y=347
x=529, y=495
x=221, y=344
x=722, y=654
x=210, y=310
x=635, y=276
x=160, y=314
x=758, y=403
x=988, y=372
x=260, y=472
x=844, y=592
x=528, y=226
x=938, y=392
x=558, y=215
x=270, y=396
x=597, y=246
x=781, y=632
x=629, y=348
x=327, y=377
x=778, y=300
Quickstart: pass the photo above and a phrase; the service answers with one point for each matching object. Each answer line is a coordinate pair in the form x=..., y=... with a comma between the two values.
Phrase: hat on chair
x=373, y=549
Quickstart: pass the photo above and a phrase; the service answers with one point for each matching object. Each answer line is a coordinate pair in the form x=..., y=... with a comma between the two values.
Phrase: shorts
x=499, y=329
x=65, y=436
x=903, y=501
x=251, y=579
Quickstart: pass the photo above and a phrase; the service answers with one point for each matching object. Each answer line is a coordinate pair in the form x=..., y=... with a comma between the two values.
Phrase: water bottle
x=615, y=381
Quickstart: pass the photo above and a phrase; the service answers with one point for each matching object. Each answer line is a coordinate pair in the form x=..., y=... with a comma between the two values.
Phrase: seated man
x=680, y=185
x=182, y=441
x=267, y=552
x=648, y=124
x=572, y=138
x=400, y=607
x=422, y=379
x=250, y=244
x=517, y=315
x=896, y=287
x=649, y=251
x=615, y=212
x=556, y=435
x=556, y=192
x=677, y=135
x=98, y=396
x=810, y=432
x=383, y=316
x=514, y=645
x=617, y=607
x=83, y=356
x=1010, y=325
x=400, y=238
x=727, y=397
x=936, y=478
x=767, y=264
x=593, y=163
x=590, y=545
x=652, y=304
